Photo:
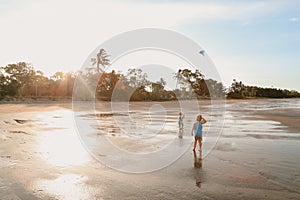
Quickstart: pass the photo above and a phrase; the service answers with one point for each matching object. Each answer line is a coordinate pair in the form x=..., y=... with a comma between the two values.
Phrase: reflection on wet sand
x=61, y=149
x=58, y=144
x=198, y=159
x=68, y=187
x=198, y=166
x=180, y=133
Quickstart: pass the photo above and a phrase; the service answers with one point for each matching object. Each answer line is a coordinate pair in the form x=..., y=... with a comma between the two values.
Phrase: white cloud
x=294, y=19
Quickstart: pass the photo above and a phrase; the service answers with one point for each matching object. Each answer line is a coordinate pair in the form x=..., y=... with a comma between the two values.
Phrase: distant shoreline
x=69, y=100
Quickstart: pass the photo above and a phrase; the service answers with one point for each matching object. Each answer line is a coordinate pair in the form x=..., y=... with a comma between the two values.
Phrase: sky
x=256, y=42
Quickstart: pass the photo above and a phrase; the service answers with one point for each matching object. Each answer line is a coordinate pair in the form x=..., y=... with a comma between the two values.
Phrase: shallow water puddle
x=59, y=145
x=61, y=148
x=56, y=118
x=68, y=187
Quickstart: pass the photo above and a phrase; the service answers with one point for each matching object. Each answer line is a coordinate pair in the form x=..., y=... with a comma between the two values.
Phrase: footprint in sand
x=21, y=121
x=23, y=132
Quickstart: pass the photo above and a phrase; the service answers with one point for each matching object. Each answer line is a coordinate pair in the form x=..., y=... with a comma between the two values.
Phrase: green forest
x=21, y=82
x=238, y=90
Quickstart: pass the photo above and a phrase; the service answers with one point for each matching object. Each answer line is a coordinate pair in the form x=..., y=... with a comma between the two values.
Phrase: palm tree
x=162, y=82
x=101, y=59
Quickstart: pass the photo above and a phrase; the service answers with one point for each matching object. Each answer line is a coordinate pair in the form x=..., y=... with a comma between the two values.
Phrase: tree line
x=238, y=90
x=20, y=81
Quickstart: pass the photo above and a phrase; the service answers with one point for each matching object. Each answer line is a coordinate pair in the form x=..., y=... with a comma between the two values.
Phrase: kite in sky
x=202, y=52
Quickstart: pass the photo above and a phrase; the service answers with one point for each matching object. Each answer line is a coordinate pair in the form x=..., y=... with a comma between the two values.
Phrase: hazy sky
x=257, y=42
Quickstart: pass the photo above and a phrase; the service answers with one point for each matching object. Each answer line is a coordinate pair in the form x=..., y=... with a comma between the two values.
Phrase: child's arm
x=192, y=130
x=203, y=121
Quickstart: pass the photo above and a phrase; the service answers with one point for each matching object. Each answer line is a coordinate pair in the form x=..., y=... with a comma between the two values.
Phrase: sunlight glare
x=59, y=144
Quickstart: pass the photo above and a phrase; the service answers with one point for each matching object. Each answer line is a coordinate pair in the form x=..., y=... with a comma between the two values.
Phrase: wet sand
x=256, y=157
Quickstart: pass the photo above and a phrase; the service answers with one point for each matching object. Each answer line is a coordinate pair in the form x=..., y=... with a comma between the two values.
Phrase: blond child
x=197, y=131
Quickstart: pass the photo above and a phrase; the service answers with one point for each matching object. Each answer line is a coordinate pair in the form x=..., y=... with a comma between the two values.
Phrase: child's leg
x=195, y=143
x=200, y=143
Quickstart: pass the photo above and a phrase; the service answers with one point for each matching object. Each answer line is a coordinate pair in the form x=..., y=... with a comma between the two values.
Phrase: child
x=180, y=120
x=197, y=130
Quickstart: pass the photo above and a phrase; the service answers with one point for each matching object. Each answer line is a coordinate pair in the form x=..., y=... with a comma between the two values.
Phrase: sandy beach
x=256, y=156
